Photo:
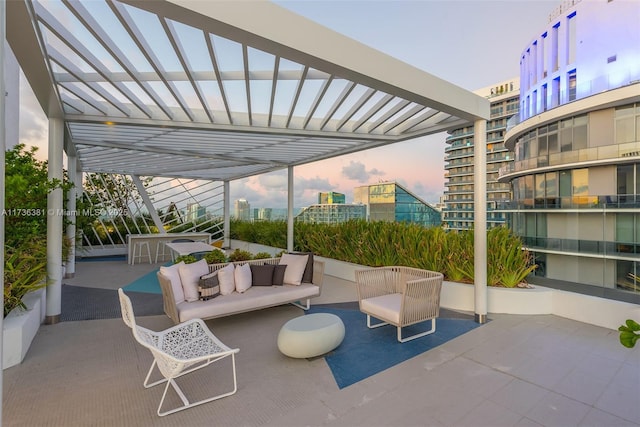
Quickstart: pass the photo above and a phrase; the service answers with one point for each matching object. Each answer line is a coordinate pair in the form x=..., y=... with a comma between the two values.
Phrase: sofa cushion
x=209, y=286
x=384, y=307
x=295, y=268
x=254, y=298
x=242, y=277
x=226, y=277
x=262, y=275
x=172, y=273
x=190, y=277
x=307, y=276
x=278, y=274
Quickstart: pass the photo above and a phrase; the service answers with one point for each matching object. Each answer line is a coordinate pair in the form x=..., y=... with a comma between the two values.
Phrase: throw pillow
x=278, y=274
x=307, y=276
x=243, y=277
x=295, y=268
x=172, y=273
x=262, y=275
x=209, y=286
x=227, y=279
x=190, y=276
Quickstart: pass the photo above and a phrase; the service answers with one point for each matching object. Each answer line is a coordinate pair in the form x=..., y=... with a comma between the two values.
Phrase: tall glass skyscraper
x=390, y=201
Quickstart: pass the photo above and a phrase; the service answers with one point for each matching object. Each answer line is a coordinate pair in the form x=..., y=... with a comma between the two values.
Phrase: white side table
x=311, y=335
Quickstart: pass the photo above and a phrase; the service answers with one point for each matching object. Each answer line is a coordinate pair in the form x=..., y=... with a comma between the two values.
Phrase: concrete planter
x=534, y=301
x=20, y=327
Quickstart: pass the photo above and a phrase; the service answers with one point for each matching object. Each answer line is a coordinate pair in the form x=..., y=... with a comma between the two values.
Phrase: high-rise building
x=459, y=161
x=330, y=198
x=262, y=214
x=390, y=201
x=195, y=212
x=331, y=213
x=242, y=210
x=576, y=170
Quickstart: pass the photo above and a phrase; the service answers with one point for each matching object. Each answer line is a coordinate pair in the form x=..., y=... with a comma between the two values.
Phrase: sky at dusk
x=470, y=43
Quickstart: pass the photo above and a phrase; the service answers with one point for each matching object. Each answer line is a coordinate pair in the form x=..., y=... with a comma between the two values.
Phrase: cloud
x=33, y=124
x=357, y=171
x=270, y=190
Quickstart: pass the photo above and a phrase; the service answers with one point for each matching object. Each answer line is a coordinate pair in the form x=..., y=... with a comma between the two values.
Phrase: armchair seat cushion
x=385, y=307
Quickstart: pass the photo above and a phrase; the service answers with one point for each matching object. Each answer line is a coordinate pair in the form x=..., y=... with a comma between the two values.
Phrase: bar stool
x=137, y=251
x=160, y=251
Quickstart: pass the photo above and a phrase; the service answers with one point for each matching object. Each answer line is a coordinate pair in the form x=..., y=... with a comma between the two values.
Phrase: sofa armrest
x=318, y=274
x=168, y=299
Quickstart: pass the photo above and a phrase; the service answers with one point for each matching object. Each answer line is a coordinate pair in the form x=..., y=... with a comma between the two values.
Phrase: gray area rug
x=82, y=303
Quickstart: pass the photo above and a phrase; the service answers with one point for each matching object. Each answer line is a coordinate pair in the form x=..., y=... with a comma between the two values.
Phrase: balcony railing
x=582, y=90
x=598, y=247
x=607, y=152
x=614, y=201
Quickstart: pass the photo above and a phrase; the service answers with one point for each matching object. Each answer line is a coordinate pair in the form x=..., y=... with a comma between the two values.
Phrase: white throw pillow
x=172, y=273
x=190, y=277
x=243, y=277
x=227, y=280
x=295, y=268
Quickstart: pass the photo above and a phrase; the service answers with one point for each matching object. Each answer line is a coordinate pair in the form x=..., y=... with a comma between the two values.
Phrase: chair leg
x=146, y=383
x=377, y=325
x=418, y=335
x=183, y=397
x=304, y=307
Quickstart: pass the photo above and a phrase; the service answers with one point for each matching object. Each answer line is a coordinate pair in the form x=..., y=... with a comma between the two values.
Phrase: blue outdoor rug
x=147, y=283
x=365, y=352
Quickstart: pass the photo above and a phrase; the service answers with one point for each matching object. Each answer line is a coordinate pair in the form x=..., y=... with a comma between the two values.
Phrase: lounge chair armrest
x=372, y=283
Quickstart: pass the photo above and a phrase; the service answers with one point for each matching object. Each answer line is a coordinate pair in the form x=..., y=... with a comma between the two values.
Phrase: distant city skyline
x=471, y=43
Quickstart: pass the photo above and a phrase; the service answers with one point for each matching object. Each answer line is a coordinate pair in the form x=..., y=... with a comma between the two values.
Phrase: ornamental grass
x=381, y=243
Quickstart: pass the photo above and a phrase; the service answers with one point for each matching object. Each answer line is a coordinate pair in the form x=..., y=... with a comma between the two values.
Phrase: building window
x=580, y=184
x=543, y=97
x=571, y=38
x=555, y=63
x=555, y=92
x=543, y=57
x=580, y=133
x=571, y=84
x=625, y=184
x=565, y=187
x=627, y=123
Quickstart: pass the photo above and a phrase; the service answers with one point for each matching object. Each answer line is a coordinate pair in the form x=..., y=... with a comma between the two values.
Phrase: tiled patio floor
x=513, y=371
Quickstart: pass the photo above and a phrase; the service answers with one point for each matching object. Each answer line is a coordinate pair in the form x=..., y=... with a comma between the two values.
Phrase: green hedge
x=389, y=243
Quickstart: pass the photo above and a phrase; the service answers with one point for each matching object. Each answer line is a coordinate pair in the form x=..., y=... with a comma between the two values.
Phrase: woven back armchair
x=400, y=296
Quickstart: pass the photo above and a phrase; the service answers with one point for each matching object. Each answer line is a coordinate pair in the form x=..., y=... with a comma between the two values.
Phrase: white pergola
x=220, y=91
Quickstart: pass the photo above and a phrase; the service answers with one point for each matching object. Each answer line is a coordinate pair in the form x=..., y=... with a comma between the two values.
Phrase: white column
x=290, y=209
x=54, y=224
x=70, y=262
x=480, y=219
x=3, y=147
x=226, y=243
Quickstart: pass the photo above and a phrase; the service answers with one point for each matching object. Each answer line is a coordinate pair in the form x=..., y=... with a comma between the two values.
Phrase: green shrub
x=25, y=270
x=215, y=257
x=390, y=243
x=240, y=255
x=262, y=255
x=188, y=259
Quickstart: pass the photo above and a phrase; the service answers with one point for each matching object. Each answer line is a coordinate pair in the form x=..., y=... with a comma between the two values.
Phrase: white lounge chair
x=177, y=351
x=400, y=296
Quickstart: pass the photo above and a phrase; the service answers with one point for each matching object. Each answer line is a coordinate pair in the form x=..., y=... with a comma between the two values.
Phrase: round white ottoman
x=311, y=335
